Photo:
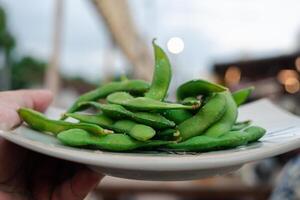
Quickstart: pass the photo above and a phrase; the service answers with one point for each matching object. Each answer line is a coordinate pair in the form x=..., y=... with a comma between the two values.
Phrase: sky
x=212, y=31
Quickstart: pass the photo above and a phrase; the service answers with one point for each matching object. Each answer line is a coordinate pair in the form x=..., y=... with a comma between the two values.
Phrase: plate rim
x=149, y=163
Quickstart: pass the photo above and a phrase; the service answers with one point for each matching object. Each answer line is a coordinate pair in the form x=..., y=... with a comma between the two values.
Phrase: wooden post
x=118, y=20
x=52, y=75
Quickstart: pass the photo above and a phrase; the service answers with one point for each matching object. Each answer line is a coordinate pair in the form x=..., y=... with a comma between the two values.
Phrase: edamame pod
x=132, y=86
x=79, y=138
x=143, y=103
x=191, y=101
x=98, y=119
x=161, y=76
x=142, y=132
x=198, y=87
x=115, y=142
x=241, y=125
x=168, y=134
x=211, y=112
x=203, y=143
x=177, y=116
x=154, y=120
x=231, y=139
x=112, y=110
x=38, y=121
x=254, y=133
x=124, y=77
x=228, y=119
x=137, y=131
x=123, y=126
x=242, y=95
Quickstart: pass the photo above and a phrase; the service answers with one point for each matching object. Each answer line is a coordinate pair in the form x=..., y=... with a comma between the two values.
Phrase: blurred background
x=73, y=46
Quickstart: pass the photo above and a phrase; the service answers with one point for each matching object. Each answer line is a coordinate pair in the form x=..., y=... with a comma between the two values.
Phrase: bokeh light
x=175, y=45
x=292, y=85
x=232, y=75
x=285, y=74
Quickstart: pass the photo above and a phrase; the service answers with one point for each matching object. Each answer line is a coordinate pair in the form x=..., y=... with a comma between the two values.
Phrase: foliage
x=28, y=72
x=7, y=41
x=25, y=72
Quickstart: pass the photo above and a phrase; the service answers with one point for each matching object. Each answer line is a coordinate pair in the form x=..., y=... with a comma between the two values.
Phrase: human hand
x=28, y=175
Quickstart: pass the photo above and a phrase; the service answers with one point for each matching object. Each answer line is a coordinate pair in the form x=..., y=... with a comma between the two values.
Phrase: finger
x=35, y=99
x=79, y=186
x=43, y=178
x=67, y=170
x=40, y=99
x=11, y=101
x=11, y=159
x=8, y=118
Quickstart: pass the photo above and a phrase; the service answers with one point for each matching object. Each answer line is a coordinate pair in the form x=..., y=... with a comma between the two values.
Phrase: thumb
x=79, y=186
x=11, y=101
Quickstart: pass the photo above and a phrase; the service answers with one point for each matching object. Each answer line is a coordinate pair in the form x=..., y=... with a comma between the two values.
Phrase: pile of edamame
x=134, y=114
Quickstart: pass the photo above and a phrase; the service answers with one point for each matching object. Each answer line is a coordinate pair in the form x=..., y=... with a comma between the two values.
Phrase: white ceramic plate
x=283, y=135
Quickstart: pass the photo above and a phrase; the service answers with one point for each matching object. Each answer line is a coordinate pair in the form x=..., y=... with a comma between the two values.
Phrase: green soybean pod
x=154, y=120
x=211, y=112
x=38, y=121
x=82, y=138
x=254, y=133
x=98, y=119
x=142, y=132
x=203, y=143
x=112, y=110
x=197, y=87
x=137, y=131
x=123, y=126
x=177, y=116
x=143, y=103
x=161, y=76
x=191, y=101
x=115, y=111
x=124, y=77
x=228, y=119
x=114, y=142
x=168, y=134
x=132, y=86
x=241, y=125
x=242, y=95
x=199, y=143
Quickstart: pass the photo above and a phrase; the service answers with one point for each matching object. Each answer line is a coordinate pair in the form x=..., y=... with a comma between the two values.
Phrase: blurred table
x=228, y=187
